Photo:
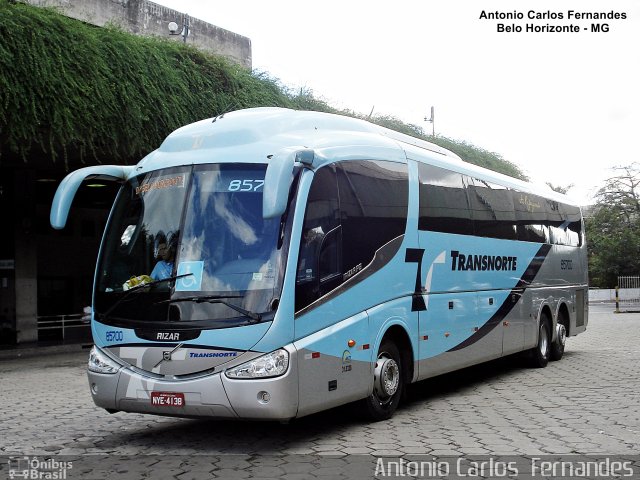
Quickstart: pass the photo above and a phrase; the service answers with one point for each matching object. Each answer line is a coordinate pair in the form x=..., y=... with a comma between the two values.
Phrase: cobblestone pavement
x=587, y=403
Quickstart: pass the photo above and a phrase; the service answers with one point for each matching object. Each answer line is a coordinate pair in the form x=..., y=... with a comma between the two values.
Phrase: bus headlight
x=270, y=365
x=100, y=363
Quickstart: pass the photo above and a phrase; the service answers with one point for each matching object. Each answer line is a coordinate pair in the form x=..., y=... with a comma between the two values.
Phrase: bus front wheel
x=388, y=383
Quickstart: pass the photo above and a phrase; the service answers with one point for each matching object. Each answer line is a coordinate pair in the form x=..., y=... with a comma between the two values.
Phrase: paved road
x=585, y=404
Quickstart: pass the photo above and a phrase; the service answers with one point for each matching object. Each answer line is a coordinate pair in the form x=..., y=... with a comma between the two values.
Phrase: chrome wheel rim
x=544, y=341
x=562, y=334
x=386, y=378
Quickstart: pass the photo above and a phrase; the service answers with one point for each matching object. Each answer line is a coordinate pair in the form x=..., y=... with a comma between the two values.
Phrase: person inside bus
x=165, y=252
x=307, y=262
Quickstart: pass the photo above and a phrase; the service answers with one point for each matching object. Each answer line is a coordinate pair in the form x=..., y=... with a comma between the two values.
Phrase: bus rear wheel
x=557, y=347
x=539, y=355
x=388, y=383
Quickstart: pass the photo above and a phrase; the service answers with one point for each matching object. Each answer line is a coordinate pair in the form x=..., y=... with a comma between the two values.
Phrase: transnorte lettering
x=462, y=262
x=212, y=354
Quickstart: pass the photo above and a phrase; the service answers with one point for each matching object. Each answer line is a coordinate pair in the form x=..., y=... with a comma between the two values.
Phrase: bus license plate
x=167, y=399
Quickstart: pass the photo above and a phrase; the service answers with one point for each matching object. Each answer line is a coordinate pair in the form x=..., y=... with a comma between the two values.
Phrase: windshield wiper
x=256, y=317
x=138, y=288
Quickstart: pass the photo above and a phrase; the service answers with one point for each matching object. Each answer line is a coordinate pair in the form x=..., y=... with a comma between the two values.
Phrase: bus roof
x=255, y=134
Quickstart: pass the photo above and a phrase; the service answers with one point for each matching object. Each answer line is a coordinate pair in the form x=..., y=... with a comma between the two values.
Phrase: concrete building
x=143, y=17
x=45, y=275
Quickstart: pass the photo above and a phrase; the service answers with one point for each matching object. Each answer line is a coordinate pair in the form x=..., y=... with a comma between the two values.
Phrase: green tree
x=613, y=229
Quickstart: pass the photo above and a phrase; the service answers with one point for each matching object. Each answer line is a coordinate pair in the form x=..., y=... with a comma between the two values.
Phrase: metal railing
x=61, y=323
x=628, y=292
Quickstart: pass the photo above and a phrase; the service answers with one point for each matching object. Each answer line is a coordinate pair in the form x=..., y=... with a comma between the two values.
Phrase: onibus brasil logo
x=34, y=468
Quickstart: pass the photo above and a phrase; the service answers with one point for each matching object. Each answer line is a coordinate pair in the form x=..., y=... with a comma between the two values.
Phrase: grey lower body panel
x=210, y=396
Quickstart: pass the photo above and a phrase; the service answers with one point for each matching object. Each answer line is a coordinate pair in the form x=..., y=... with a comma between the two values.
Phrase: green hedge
x=85, y=93
x=71, y=87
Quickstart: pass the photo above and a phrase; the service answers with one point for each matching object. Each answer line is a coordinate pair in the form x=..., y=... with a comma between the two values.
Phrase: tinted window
x=319, y=256
x=373, y=206
x=531, y=217
x=443, y=201
x=533, y=232
x=565, y=226
x=354, y=208
x=454, y=203
x=492, y=210
x=574, y=224
x=555, y=223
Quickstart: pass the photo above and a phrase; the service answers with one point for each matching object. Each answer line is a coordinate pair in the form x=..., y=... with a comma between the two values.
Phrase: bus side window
x=574, y=228
x=330, y=261
x=531, y=217
x=344, y=236
x=318, y=259
x=492, y=210
x=374, y=197
x=444, y=206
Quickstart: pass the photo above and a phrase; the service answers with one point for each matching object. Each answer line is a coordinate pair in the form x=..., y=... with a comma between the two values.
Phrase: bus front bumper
x=210, y=396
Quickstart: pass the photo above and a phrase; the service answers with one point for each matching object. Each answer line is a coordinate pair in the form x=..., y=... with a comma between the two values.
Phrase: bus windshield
x=202, y=225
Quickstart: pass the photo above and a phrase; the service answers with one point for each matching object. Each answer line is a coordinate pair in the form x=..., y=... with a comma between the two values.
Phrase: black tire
x=557, y=347
x=539, y=355
x=388, y=384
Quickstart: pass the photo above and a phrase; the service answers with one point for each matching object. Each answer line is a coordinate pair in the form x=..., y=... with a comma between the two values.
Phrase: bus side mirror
x=69, y=186
x=277, y=182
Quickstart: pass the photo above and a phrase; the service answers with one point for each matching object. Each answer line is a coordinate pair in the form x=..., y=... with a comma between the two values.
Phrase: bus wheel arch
x=561, y=333
x=399, y=336
x=393, y=370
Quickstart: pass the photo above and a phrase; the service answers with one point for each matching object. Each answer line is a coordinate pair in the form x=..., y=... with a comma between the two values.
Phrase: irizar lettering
x=168, y=336
x=472, y=262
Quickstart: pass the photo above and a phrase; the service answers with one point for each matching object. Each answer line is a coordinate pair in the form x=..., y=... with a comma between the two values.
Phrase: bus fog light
x=94, y=388
x=272, y=364
x=264, y=397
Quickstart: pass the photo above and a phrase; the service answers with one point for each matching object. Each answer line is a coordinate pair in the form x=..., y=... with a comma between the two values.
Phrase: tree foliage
x=613, y=229
x=100, y=92
x=79, y=93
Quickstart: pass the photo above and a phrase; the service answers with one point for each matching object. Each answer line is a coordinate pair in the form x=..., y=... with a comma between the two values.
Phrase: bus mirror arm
x=69, y=186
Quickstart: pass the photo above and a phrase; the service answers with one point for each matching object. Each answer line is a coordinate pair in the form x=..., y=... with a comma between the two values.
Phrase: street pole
x=433, y=121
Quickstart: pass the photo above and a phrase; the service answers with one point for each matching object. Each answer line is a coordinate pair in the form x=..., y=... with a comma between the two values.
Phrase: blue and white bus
x=270, y=263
